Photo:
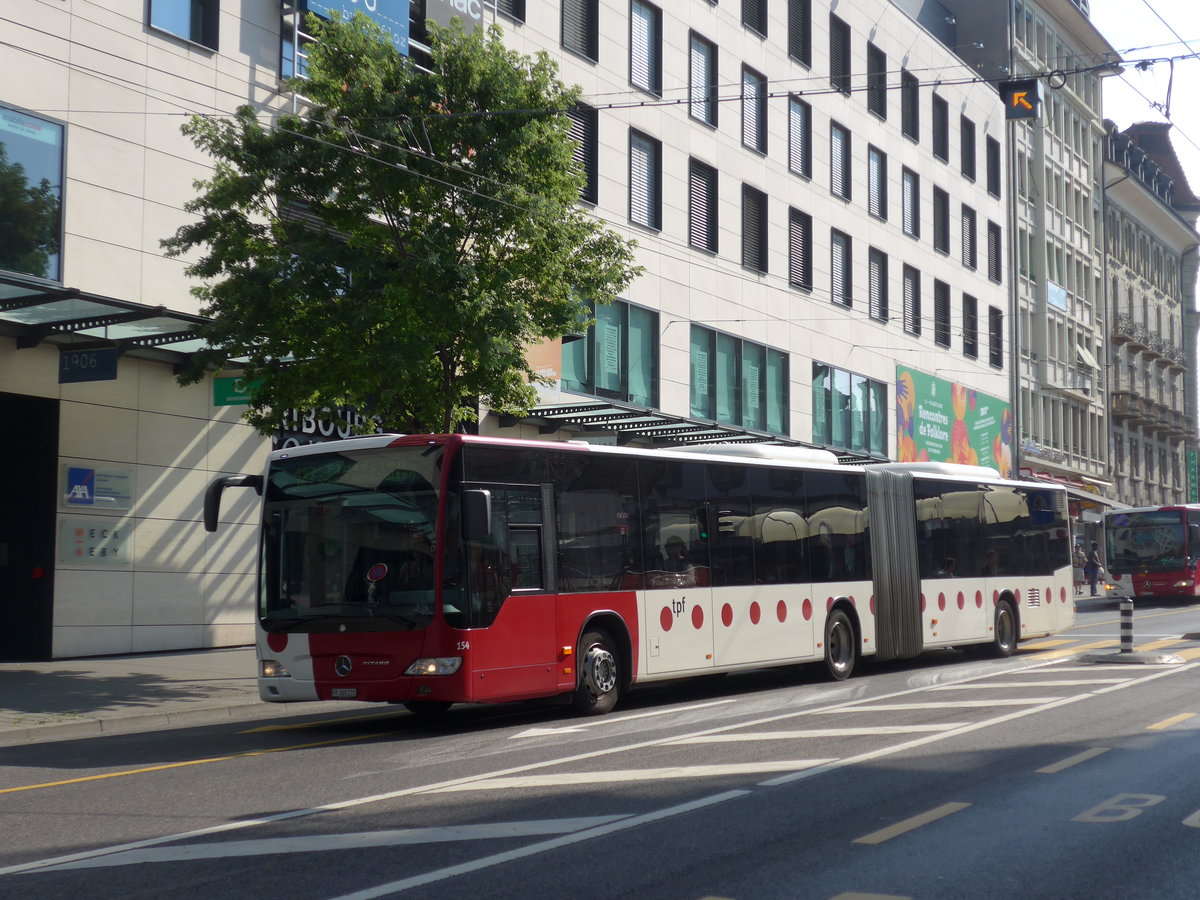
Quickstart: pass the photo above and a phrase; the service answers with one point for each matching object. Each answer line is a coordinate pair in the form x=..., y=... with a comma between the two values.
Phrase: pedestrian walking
x=1092, y=567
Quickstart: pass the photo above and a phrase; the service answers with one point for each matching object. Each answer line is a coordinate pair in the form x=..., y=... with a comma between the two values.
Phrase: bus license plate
x=344, y=693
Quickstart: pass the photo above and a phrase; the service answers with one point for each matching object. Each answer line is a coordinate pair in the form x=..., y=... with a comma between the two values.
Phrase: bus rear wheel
x=599, y=675
x=840, y=650
x=1004, y=635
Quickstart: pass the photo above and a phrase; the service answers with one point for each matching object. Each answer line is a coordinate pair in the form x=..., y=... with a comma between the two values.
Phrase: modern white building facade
x=823, y=199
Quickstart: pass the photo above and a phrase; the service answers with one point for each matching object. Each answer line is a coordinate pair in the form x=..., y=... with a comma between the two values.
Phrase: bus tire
x=599, y=675
x=1004, y=634
x=428, y=710
x=841, y=651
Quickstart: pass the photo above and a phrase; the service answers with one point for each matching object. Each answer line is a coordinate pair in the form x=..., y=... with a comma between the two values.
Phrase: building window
x=800, y=31
x=910, y=105
x=876, y=81
x=995, y=337
x=993, y=166
x=31, y=194
x=969, y=256
x=581, y=27
x=841, y=282
x=754, y=229
x=995, y=253
x=941, y=128
x=618, y=358
x=754, y=15
x=877, y=271
x=877, y=182
x=738, y=382
x=839, y=54
x=702, y=84
x=850, y=411
x=645, y=47
x=584, y=131
x=839, y=161
x=941, y=221
x=645, y=180
x=799, y=137
x=800, y=272
x=511, y=9
x=966, y=150
x=912, y=300
x=702, y=206
x=970, y=317
x=193, y=20
x=911, y=191
x=754, y=110
x=941, y=313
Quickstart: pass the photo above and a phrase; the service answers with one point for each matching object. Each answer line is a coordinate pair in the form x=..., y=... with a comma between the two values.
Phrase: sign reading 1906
x=75, y=366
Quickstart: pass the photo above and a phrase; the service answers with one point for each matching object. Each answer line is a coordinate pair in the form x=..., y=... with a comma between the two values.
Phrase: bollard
x=1126, y=626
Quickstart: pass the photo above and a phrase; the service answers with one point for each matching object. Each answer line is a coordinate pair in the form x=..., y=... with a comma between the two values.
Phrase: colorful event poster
x=943, y=421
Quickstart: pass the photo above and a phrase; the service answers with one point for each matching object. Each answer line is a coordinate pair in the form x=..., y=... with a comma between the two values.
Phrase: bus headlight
x=435, y=665
x=1183, y=584
x=272, y=668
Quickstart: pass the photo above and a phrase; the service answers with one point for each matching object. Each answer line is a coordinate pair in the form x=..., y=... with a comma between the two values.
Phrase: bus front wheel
x=1004, y=636
x=599, y=675
x=840, y=650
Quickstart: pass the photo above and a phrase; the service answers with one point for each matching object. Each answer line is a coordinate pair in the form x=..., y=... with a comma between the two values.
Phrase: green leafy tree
x=398, y=245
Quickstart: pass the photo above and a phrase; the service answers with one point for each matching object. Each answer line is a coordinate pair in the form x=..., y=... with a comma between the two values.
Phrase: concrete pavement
x=71, y=698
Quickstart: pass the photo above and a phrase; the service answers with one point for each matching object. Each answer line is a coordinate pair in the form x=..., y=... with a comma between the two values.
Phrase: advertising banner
x=943, y=421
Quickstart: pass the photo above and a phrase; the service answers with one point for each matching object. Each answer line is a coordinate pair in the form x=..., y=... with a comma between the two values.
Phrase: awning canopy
x=35, y=311
x=629, y=422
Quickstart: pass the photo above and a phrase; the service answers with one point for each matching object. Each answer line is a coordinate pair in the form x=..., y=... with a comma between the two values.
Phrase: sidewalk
x=71, y=698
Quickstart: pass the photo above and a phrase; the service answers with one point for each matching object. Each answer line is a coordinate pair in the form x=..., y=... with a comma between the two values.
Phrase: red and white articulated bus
x=435, y=569
x=1154, y=551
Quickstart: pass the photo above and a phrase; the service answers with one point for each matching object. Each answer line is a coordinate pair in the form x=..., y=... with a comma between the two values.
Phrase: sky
x=1143, y=29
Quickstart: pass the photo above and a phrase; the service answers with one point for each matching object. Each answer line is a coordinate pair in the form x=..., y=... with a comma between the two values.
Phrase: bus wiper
x=291, y=622
x=410, y=621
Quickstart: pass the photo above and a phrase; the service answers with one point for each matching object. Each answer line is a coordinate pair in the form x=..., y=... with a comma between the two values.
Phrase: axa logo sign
x=81, y=486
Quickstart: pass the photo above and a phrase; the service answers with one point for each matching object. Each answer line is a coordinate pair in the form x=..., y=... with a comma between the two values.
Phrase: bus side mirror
x=477, y=514
x=212, y=496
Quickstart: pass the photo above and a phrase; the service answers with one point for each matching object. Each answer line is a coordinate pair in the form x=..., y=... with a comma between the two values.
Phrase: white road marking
x=817, y=733
x=318, y=842
x=947, y=704
x=614, y=720
x=534, y=849
x=997, y=685
x=609, y=777
x=352, y=803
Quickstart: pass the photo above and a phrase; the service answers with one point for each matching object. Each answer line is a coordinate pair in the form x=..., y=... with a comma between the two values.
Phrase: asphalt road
x=945, y=777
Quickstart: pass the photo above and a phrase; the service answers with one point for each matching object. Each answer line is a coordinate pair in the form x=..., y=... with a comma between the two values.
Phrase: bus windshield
x=1152, y=541
x=349, y=541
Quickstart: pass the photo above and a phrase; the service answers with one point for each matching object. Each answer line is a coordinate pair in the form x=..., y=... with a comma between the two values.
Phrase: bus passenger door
x=677, y=578
x=512, y=643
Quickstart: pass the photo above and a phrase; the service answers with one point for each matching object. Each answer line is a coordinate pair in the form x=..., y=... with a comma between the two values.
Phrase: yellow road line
x=885, y=834
x=190, y=762
x=1136, y=615
x=1071, y=651
x=1191, y=653
x=1072, y=760
x=1158, y=645
x=1167, y=723
x=1045, y=645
